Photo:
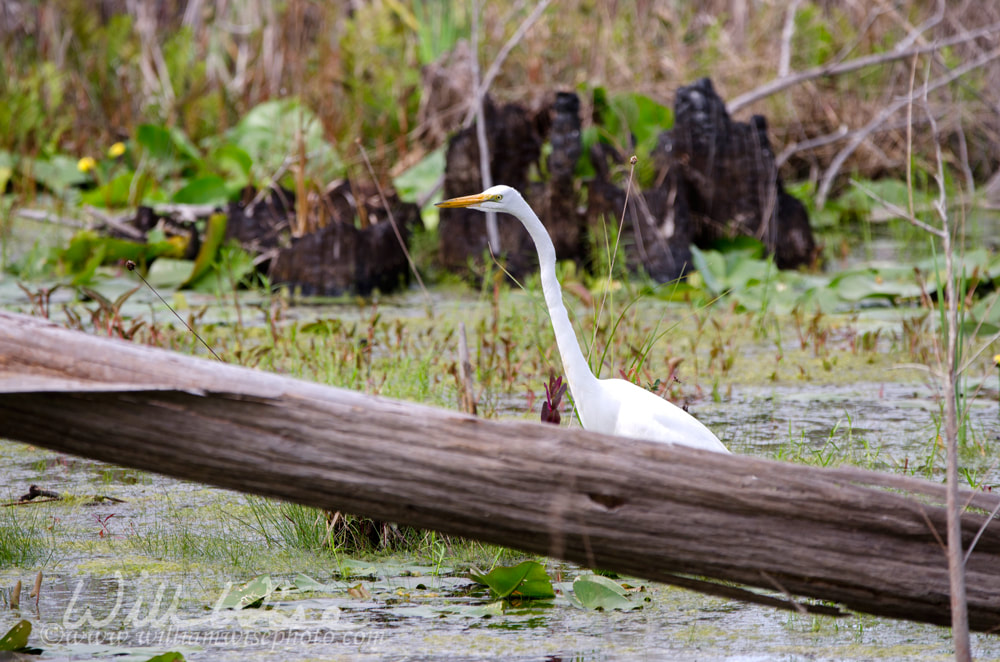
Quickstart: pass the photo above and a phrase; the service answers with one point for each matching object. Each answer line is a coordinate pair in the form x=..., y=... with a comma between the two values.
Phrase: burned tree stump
x=721, y=180
x=341, y=257
x=715, y=178
x=566, y=225
x=260, y=228
x=514, y=140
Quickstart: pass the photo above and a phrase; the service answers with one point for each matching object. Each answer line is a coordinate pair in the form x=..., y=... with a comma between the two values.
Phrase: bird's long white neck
x=582, y=381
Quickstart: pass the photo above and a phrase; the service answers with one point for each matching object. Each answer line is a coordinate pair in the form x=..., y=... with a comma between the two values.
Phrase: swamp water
x=130, y=580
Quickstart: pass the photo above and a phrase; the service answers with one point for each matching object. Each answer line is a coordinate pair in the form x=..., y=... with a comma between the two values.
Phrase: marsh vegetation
x=827, y=366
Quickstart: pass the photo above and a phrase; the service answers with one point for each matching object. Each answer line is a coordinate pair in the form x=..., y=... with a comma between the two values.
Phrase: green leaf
x=234, y=164
x=56, y=173
x=274, y=130
x=204, y=190
x=525, y=580
x=169, y=273
x=632, y=116
x=157, y=141
x=305, y=583
x=17, y=637
x=116, y=193
x=597, y=592
x=169, y=150
x=861, y=284
x=233, y=265
x=87, y=250
x=167, y=657
x=711, y=267
x=251, y=594
x=183, y=145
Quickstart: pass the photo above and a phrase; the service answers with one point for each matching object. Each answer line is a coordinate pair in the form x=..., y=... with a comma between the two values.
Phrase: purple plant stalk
x=554, y=392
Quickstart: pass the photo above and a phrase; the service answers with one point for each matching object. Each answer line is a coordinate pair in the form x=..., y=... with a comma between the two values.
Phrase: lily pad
x=597, y=592
x=172, y=656
x=251, y=594
x=17, y=637
x=305, y=583
x=525, y=580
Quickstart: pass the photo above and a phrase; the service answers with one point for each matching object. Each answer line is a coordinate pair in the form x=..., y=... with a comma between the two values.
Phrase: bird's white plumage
x=611, y=406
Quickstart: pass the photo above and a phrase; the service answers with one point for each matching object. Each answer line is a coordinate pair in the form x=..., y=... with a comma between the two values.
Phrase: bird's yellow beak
x=464, y=201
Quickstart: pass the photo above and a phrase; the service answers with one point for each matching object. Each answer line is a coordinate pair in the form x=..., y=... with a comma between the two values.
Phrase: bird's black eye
x=498, y=197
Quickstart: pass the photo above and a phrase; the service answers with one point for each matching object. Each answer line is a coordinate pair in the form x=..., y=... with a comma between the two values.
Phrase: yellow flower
x=86, y=164
x=116, y=150
x=996, y=359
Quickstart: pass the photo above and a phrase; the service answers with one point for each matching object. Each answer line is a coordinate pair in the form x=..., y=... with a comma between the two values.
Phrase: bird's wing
x=645, y=415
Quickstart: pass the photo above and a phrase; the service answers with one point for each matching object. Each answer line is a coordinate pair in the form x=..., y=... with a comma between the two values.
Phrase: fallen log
x=868, y=541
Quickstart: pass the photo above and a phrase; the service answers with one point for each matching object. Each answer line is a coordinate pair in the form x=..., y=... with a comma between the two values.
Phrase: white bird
x=611, y=406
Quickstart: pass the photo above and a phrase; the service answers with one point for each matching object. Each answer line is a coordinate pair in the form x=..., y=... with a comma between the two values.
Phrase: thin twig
x=475, y=112
x=956, y=564
x=47, y=217
x=912, y=217
x=485, y=173
x=498, y=61
x=985, y=345
x=130, y=265
x=896, y=210
x=979, y=533
x=788, y=596
x=787, y=31
x=468, y=396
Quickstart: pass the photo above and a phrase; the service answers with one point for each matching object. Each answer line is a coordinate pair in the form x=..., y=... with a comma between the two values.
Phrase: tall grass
x=22, y=540
x=359, y=68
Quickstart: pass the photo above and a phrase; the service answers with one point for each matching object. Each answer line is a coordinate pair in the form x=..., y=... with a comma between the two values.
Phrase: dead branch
x=825, y=70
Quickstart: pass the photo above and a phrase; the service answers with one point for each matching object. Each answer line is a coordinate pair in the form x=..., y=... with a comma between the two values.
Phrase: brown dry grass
x=357, y=65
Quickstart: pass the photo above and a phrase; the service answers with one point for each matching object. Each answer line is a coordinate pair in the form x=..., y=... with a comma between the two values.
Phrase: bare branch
x=787, y=31
x=821, y=71
x=897, y=210
x=834, y=168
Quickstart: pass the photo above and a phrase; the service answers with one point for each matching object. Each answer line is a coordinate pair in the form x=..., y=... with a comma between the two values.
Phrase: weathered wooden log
x=868, y=541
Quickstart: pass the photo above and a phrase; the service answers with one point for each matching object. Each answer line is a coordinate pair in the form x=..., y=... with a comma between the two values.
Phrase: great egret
x=611, y=406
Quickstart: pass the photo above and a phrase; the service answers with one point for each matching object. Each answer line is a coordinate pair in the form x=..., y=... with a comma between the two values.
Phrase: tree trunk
x=645, y=509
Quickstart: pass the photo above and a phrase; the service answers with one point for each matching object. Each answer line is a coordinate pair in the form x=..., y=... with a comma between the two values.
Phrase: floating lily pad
x=525, y=580
x=17, y=637
x=597, y=592
x=251, y=594
x=167, y=657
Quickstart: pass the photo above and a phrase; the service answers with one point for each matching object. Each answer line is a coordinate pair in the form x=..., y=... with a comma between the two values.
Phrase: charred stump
x=262, y=227
x=722, y=180
x=346, y=244
x=651, y=239
x=341, y=257
x=714, y=179
x=514, y=140
x=558, y=208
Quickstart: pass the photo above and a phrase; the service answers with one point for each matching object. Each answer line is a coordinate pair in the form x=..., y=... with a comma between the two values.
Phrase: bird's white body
x=644, y=415
x=611, y=406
